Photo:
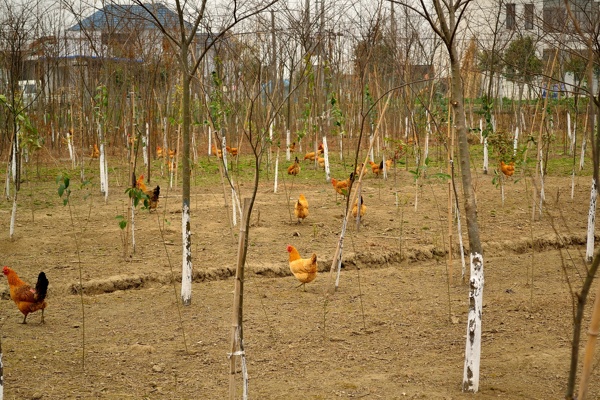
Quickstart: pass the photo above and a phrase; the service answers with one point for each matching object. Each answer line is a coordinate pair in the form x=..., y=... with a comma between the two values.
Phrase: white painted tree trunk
x=224, y=152
x=582, y=157
x=194, y=147
x=326, y=157
x=70, y=146
x=13, y=216
x=480, y=130
x=516, y=141
x=371, y=156
x=235, y=204
x=276, y=171
x=7, y=186
x=426, y=150
x=209, y=141
x=341, y=149
x=145, y=144
x=569, y=133
x=485, y=156
x=103, y=165
x=377, y=147
x=473, y=346
x=101, y=157
x=589, y=251
x=385, y=169
x=186, y=264
x=105, y=174
x=13, y=160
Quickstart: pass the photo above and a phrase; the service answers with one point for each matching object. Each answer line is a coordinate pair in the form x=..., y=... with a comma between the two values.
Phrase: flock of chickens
x=30, y=299
x=305, y=269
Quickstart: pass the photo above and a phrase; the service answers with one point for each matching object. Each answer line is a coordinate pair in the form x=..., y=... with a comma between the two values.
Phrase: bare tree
x=183, y=36
x=444, y=19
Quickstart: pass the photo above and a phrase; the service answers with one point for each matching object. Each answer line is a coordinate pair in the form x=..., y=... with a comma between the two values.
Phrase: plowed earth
x=394, y=329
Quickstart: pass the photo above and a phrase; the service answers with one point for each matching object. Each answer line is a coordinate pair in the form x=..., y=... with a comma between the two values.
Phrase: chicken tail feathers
x=41, y=286
x=313, y=259
x=156, y=193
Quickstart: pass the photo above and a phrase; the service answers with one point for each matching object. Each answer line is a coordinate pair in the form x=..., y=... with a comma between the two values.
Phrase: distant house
x=122, y=32
x=127, y=34
x=546, y=21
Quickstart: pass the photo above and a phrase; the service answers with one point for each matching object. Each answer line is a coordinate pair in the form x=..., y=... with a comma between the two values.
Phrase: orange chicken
x=363, y=208
x=507, y=169
x=95, y=151
x=301, y=208
x=389, y=163
x=321, y=162
x=310, y=156
x=359, y=168
x=304, y=269
x=152, y=194
x=232, y=150
x=216, y=151
x=292, y=146
x=294, y=169
x=376, y=168
x=26, y=298
x=342, y=186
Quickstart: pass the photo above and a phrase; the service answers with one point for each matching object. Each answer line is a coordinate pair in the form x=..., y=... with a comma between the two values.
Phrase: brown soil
x=394, y=329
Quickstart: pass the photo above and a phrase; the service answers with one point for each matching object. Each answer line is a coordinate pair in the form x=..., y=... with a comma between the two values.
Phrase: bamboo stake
x=539, y=143
x=337, y=258
x=222, y=172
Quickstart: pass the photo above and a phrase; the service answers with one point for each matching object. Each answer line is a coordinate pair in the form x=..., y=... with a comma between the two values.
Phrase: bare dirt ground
x=394, y=329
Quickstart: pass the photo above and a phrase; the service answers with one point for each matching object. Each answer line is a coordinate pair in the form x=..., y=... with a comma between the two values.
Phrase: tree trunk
x=473, y=346
x=186, y=266
x=237, y=331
